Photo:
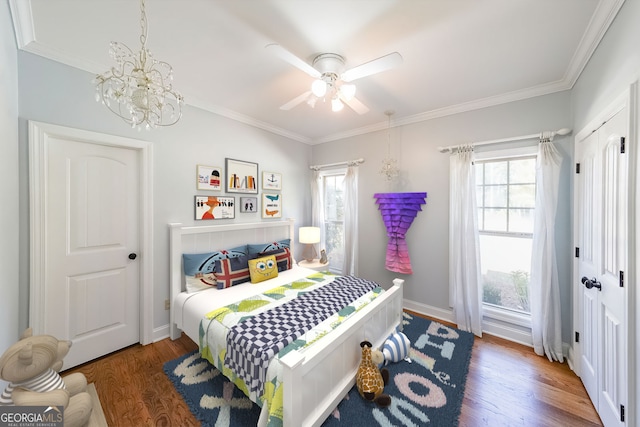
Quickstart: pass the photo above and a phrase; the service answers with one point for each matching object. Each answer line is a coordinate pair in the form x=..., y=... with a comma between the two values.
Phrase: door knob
x=132, y=255
x=593, y=283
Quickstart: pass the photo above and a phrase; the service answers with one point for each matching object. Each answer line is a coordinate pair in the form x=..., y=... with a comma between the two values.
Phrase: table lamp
x=309, y=236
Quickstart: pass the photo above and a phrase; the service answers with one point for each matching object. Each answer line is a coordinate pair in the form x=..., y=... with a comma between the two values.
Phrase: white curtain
x=464, y=246
x=317, y=205
x=350, y=221
x=544, y=287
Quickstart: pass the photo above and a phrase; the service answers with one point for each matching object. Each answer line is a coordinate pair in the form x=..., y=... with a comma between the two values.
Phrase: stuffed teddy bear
x=31, y=367
x=371, y=380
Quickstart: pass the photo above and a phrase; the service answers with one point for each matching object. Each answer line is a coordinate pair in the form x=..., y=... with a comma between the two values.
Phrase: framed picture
x=209, y=177
x=242, y=177
x=271, y=205
x=248, y=204
x=215, y=207
x=271, y=181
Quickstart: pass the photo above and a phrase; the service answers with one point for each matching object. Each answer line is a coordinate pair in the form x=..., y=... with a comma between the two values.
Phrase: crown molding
x=492, y=101
x=602, y=18
x=22, y=22
x=233, y=115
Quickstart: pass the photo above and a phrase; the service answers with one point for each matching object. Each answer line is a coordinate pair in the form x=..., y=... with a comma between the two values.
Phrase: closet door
x=602, y=215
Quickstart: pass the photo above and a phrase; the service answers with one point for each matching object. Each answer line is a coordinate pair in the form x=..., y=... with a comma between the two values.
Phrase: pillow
x=264, y=247
x=198, y=268
x=396, y=347
x=262, y=269
x=283, y=258
x=232, y=271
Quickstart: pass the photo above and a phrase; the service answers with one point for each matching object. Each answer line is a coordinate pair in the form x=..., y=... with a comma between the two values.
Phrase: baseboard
x=428, y=310
x=161, y=333
x=516, y=333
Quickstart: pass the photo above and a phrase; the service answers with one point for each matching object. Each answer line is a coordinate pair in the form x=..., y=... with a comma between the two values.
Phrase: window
x=506, y=194
x=333, y=202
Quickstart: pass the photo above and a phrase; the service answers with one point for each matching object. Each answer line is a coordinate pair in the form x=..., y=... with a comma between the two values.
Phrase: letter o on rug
x=435, y=398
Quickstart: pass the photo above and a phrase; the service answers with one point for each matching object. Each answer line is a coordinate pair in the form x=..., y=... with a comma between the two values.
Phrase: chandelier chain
x=143, y=25
x=389, y=168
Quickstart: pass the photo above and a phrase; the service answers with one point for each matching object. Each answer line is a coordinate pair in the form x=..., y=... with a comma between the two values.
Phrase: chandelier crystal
x=389, y=168
x=139, y=88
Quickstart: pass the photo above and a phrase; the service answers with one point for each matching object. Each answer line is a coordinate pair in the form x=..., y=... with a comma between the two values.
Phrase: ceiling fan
x=332, y=82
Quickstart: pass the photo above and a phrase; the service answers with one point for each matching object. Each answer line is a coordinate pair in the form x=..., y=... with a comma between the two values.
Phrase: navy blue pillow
x=265, y=247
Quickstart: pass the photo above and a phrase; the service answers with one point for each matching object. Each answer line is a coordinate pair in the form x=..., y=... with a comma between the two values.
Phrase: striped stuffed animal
x=371, y=380
x=31, y=367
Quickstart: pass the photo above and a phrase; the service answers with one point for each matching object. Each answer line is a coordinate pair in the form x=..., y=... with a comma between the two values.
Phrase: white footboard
x=316, y=381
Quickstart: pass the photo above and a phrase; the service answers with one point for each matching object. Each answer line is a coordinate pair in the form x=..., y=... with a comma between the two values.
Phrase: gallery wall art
x=271, y=205
x=241, y=176
x=215, y=207
x=209, y=177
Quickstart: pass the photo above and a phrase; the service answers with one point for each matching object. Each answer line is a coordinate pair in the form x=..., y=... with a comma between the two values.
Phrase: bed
x=315, y=378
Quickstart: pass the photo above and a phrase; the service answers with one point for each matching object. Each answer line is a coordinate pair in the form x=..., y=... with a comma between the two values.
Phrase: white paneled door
x=602, y=244
x=89, y=277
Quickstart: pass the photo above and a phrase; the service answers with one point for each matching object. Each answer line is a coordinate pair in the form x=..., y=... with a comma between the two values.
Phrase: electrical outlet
x=167, y=304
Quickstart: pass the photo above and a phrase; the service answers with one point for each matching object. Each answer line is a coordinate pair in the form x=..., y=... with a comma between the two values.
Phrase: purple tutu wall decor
x=398, y=211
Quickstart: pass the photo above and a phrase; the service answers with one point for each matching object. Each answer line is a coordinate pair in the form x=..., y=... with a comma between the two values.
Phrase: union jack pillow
x=199, y=268
x=232, y=271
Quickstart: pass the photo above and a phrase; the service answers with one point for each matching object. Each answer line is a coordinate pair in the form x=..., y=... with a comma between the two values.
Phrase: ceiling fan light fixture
x=319, y=88
x=311, y=100
x=348, y=91
x=336, y=105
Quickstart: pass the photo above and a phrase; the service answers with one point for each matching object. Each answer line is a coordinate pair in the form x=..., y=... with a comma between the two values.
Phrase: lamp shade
x=309, y=235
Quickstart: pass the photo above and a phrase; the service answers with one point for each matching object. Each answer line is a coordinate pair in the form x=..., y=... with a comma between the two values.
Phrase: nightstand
x=314, y=264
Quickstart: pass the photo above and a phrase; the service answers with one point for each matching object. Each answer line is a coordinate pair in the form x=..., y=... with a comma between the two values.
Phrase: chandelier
x=138, y=88
x=389, y=168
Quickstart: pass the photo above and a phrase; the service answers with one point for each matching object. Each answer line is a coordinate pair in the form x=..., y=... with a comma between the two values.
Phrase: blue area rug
x=427, y=391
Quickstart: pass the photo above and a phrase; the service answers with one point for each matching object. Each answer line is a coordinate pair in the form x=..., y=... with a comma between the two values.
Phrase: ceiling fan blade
x=355, y=104
x=295, y=101
x=372, y=67
x=289, y=57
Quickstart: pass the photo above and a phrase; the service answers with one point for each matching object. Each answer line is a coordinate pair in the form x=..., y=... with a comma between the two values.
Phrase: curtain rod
x=355, y=162
x=562, y=132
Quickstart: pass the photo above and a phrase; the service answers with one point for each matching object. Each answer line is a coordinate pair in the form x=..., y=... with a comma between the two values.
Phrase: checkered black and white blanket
x=253, y=343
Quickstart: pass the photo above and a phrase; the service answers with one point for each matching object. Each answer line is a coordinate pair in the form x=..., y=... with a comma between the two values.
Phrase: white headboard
x=209, y=238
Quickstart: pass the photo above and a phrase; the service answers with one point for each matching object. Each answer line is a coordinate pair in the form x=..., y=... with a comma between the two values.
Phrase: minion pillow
x=262, y=269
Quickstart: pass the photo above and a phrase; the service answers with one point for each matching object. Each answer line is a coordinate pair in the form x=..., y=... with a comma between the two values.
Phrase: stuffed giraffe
x=369, y=379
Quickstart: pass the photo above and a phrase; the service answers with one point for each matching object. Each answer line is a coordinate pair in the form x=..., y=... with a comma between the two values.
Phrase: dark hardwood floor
x=508, y=385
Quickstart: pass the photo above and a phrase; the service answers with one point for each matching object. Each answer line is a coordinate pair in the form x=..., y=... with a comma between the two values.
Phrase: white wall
x=55, y=93
x=613, y=67
x=9, y=195
x=424, y=168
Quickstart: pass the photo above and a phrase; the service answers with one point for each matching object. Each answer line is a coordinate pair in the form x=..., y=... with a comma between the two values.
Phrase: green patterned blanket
x=216, y=324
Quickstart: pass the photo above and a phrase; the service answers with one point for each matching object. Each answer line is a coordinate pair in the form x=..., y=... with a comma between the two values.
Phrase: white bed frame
x=317, y=379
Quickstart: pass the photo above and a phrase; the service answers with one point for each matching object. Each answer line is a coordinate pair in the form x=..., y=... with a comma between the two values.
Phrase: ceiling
x=457, y=55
